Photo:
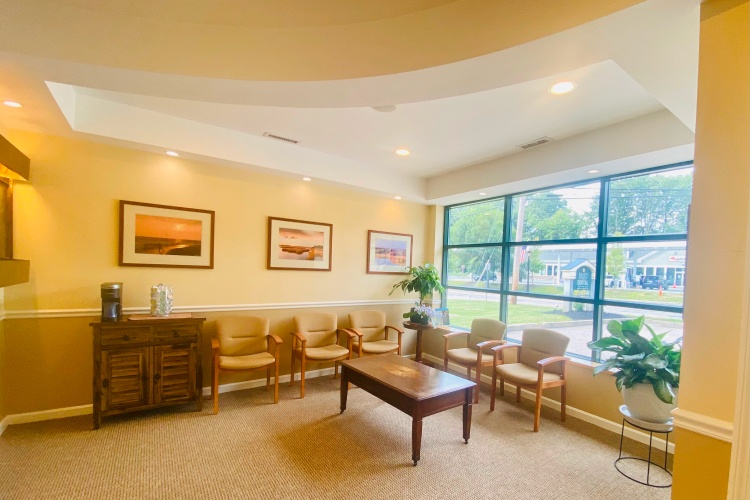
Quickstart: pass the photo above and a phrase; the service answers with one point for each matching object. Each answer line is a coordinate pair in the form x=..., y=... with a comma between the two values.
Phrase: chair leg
x=538, y=407
x=562, y=403
x=302, y=377
x=468, y=372
x=268, y=377
x=445, y=362
x=215, y=384
x=335, y=370
x=291, y=375
x=494, y=388
x=476, y=389
x=502, y=386
x=518, y=393
x=276, y=384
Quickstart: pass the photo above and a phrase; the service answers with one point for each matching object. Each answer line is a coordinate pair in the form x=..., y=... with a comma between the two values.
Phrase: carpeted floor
x=306, y=449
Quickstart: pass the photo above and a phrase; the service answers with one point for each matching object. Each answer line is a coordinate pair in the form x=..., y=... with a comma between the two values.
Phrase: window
x=538, y=259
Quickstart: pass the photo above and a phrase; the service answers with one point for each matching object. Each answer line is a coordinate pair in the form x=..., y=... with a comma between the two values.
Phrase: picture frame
x=299, y=245
x=388, y=253
x=154, y=235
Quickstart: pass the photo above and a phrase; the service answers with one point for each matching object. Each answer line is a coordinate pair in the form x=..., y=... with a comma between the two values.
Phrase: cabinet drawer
x=175, y=332
x=125, y=336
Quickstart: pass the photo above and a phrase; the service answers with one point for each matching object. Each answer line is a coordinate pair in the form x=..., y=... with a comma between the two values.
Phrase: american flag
x=523, y=254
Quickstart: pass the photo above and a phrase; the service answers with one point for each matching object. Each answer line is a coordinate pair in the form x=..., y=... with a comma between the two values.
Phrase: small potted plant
x=424, y=280
x=647, y=371
x=420, y=314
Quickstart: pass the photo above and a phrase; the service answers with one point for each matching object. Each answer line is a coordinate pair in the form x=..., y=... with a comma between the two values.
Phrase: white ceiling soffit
x=633, y=63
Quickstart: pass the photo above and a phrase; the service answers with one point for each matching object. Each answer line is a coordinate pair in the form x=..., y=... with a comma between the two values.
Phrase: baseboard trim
x=38, y=416
x=76, y=313
x=590, y=418
x=3, y=425
x=702, y=424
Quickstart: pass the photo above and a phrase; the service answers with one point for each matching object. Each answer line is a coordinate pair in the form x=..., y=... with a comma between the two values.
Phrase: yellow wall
x=701, y=466
x=67, y=226
x=3, y=411
x=718, y=233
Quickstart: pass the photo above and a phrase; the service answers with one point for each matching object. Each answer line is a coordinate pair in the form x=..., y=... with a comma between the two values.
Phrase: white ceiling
x=457, y=119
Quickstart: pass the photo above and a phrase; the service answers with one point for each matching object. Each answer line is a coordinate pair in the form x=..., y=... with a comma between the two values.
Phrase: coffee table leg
x=416, y=439
x=418, y=357
x=467, y=415
x=344, y=387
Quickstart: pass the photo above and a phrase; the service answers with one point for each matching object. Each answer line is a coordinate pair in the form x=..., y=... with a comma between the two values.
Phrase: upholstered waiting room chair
x=540, y=365
x=485, y=333
x=316, y=340
x=242, y=344
x=372, y=333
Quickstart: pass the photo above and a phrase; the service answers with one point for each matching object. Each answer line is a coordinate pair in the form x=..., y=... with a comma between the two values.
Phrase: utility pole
x=517, y=251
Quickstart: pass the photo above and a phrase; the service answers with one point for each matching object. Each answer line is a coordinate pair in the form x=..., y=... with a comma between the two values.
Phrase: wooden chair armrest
x=454, y=334
x=277, y=340
x=350, y=332
x=398, y=330
x=552, y=359
x=542, y=363
x=356, y=332
x=214, y=344
x=298, y=336
x=488, y=343
x=497, y=351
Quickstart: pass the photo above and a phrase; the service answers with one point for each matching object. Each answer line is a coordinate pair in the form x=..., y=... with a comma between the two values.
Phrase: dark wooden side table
x=415, y=389
x=419, y=328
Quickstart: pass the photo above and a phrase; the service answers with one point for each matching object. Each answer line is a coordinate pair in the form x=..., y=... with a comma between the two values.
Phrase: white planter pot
x=643, y=404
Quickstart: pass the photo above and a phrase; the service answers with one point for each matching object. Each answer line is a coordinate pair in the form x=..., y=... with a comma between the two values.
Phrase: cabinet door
x=125, y=375
x=174, y=372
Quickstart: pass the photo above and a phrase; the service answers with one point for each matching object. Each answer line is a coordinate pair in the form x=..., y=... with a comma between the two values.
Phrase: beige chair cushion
x=377, y=347
x=318, y=328
x=538, y=343
x=467, y=356
x=325, y=352
x=371, y=324
x=483, y=329
x=248, y=362
x=242, y=335
x=518, y=373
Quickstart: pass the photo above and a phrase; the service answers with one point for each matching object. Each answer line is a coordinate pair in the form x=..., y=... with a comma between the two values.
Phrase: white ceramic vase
x=643, y=403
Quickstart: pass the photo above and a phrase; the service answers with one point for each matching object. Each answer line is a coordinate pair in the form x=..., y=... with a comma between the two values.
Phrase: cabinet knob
x=157, y=376
x=125, y=338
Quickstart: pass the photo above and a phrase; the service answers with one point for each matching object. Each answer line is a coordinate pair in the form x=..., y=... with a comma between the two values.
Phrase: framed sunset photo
x=388, y=253
x=299, y=245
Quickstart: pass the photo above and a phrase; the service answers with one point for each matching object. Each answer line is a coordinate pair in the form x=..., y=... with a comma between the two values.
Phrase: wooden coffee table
x=413, y=388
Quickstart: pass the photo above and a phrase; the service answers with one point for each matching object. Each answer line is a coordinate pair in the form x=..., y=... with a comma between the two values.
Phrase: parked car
x=652, y=282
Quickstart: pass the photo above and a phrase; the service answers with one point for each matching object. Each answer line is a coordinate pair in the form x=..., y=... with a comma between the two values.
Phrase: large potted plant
x=647, y=371
x=424, y=280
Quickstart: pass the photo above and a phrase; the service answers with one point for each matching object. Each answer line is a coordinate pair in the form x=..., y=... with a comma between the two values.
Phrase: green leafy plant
x=422, y=279
x=640, y=360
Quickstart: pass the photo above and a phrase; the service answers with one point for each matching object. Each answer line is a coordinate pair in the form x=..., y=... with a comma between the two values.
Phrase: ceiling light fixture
x=593, y=171
x=396, y=197
x=482, y=194
x=13, y=104
x=306, y=179
x=173, y=153
x=402, y=152
x=562, y=88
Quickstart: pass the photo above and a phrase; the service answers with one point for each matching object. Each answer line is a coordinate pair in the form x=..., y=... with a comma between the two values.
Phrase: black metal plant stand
x=651, y=428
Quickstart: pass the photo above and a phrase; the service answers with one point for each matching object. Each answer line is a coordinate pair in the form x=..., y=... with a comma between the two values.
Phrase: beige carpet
x=306, y=449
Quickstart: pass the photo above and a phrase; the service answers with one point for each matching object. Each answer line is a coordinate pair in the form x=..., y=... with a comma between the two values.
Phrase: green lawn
x=462, y=311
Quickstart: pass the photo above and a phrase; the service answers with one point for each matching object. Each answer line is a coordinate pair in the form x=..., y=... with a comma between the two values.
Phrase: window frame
x=601, y=241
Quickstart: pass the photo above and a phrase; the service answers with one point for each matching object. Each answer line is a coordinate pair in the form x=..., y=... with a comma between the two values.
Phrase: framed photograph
x=163, y=236
x=299, y=244
x=442, y=317
x=388, y=253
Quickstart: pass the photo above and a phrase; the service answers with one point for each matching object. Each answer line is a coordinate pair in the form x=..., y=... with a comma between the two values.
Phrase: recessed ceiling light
x=402, y=152
x=562, y=87
x=396, y=197
x=482, y=194
x=306, y=179
x=173, y=153
x=593, y=171
x=13, y=104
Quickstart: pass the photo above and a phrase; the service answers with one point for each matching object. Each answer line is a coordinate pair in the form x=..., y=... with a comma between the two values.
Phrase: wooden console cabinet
x=146, y=364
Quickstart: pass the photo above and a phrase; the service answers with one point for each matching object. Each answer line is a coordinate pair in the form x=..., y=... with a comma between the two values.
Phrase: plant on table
x=424, y=280
x=639, y=360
